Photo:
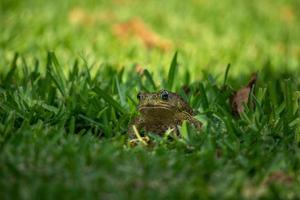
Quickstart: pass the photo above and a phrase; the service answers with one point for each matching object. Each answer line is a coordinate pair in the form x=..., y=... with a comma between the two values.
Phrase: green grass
x=67, y=96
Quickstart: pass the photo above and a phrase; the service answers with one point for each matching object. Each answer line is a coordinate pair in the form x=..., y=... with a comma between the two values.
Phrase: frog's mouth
x=158, y=110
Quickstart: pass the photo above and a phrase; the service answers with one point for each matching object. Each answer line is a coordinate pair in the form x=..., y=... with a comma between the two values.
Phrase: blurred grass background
x=208, y=34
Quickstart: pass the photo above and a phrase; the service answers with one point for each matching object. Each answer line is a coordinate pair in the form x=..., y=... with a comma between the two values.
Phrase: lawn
x=70, y=72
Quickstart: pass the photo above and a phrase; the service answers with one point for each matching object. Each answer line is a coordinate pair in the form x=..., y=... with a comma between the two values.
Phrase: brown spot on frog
x=160, y=111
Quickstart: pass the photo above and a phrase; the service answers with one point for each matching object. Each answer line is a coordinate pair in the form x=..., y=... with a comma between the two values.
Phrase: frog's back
x=184, y=105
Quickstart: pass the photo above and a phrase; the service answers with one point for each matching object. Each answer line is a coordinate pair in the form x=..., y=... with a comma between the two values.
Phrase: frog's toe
x=134, y=142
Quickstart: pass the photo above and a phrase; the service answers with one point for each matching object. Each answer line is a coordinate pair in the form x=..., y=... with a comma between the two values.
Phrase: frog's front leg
x=186, y=116
x=135, y=138
x=137, y=122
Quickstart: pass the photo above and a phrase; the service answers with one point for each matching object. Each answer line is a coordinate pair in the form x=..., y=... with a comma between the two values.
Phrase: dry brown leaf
x=138, y=29
x=278, y=177
x=241, y=97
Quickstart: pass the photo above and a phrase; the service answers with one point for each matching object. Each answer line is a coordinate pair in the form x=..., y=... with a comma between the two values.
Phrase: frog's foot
x=144, y=140
x=197, y=124
x=186, y=116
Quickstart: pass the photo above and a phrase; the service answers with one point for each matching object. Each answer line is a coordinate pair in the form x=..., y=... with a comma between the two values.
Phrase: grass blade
x=12, y=70
x=150, y=79
x=120, y=91
x=203, y=97
x=172, y=72
x=226, y=74
x=55, y=72
x=109, y=100
x=90, y=120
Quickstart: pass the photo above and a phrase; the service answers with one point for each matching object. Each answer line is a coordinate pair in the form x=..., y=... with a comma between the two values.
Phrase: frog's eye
x=164, y=95
x=139, y=96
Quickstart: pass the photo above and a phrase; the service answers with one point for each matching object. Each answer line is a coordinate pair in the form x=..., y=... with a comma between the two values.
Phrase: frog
x=161, y=111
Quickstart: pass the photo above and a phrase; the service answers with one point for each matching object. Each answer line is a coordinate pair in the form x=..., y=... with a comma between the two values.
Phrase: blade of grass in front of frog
x=137, y=134
x=226, y=74
x=184, y=131
x=109, y=100
x=150, y=79
x=167, y=133
x=172, y=72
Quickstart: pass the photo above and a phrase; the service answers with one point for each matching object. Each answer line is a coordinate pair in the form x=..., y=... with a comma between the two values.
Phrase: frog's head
x=161, y=104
